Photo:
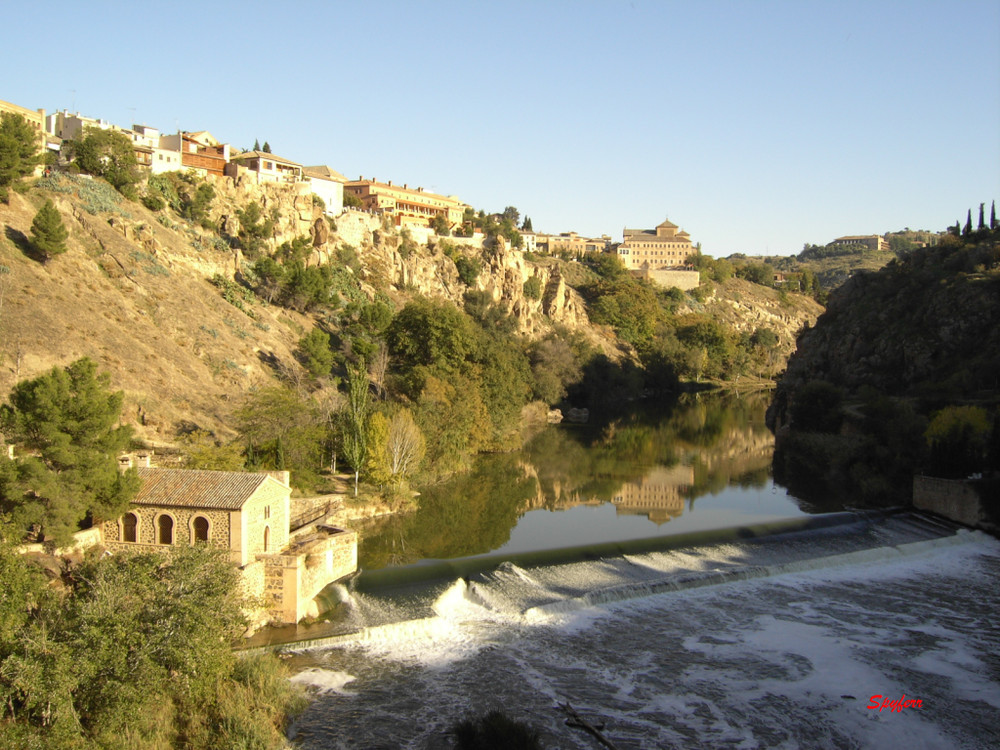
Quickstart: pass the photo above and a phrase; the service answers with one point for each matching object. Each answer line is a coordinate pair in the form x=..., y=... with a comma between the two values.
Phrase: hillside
x=135, y=293
x=900, y=374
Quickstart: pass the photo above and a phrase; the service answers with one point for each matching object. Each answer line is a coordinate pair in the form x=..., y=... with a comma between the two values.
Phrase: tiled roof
x=195, y=488
x=324, y=173
x=262, y=155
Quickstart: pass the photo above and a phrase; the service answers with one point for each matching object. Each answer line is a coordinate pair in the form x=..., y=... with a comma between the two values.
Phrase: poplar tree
x=354, y=425
x=982, y=217
x=48, y=234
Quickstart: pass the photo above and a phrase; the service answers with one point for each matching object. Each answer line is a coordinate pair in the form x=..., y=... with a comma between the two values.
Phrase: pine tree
x=256, y=144
x=48, y=234
x=266, y=148
x=18, y=151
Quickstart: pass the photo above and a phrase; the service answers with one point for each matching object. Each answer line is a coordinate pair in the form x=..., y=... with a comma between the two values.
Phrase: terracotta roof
x=324, y=173
x=262, y=155
x=195, y=488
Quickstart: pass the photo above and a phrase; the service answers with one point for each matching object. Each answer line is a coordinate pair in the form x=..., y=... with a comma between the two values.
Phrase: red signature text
x=880, y=702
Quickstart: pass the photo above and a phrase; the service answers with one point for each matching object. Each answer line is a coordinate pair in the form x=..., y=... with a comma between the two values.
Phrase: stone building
x=869, y=241
x=660, y=255
x=247, y=514
x=406, y=206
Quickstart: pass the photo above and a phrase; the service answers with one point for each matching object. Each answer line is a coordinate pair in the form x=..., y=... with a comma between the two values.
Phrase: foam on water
x=323, y=680
x=786, y=654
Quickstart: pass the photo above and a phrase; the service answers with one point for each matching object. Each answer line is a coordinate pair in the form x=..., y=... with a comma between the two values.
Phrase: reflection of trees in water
x=720, y=436
x=468, y=515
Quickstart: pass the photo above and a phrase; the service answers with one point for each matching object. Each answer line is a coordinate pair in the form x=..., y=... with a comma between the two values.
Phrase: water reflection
x=649, y=466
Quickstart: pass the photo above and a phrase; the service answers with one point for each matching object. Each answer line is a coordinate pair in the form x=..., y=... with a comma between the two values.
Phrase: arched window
x=130, y=528
x=267, y=537
x=200, y=527
x=165, y=528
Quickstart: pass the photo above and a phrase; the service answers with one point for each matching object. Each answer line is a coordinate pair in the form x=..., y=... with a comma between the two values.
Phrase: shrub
x=533, y=288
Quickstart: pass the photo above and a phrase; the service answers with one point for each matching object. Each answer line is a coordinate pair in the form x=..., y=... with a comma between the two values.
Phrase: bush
x=533, y=288
x=468, y=269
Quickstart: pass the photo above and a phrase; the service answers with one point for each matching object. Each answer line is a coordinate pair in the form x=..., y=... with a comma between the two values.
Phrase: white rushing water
x=759, y=645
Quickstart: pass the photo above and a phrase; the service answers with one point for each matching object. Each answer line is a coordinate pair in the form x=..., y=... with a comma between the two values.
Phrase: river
x=649, y=573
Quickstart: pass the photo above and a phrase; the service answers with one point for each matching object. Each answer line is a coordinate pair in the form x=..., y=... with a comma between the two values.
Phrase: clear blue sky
x=755, y=126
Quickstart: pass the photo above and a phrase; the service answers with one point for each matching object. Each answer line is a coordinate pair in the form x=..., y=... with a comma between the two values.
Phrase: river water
x=714, y=610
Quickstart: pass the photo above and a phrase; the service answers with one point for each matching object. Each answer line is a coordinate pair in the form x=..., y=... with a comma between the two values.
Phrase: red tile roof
x=196, y=488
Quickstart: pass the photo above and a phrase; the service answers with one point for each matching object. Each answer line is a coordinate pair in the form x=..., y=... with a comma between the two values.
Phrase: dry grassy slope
x=745, y=307
x=180, y=352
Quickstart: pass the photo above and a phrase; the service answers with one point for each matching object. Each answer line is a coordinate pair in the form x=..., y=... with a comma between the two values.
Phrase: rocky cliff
x=925, y=326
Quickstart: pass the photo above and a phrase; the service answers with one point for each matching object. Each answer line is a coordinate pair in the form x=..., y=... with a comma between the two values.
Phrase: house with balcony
x=199, y=151
x=264, y=167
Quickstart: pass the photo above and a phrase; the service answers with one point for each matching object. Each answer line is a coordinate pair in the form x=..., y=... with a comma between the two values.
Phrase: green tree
x=968, y=224
x=107, y=154
x=266, y=148
x=440, y=225
x=18, y=151
x=134, y=651
x=202, y=450
x=256, y=144
x=958, y=437
x=48, y=234
x=354, y=423
x=315, y=353
x=526, y=226
x=66, y=424
x=377, y=463
x=431, y=333
x=533, y=288
x=468, y=269
x=283, y=429
x=255, y=228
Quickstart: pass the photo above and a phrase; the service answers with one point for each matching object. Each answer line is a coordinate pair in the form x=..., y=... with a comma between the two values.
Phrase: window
x=130, y=528
x=200, y=527
x=165, y=529
x=267, y=511
x=267, y=537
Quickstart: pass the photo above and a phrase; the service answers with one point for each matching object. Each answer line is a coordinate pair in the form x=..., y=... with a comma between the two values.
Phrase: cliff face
x=133, y=292
x=928, y=326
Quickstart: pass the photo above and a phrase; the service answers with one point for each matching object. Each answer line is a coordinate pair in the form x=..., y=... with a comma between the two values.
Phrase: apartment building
x=407, y=206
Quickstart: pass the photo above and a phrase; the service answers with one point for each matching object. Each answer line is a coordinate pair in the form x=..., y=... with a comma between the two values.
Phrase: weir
x=745, y=641
x=529, y=587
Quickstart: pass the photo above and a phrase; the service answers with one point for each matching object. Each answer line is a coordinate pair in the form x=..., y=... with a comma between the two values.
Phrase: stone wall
x=683, y=280
x=219, y=528
x=965, y=501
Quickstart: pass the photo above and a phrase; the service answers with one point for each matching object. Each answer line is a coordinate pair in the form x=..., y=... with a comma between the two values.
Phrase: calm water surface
x=698, y=464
